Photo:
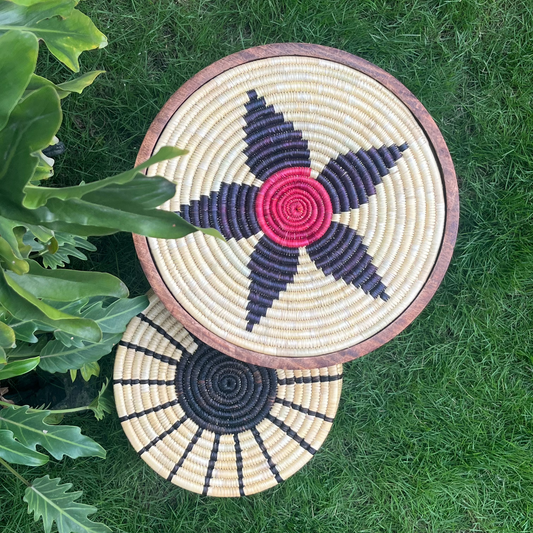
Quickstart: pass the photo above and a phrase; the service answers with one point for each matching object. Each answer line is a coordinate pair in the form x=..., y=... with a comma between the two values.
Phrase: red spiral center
x=293, y=209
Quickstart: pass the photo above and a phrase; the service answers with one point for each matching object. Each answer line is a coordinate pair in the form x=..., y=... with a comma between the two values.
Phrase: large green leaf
x=30, y=429
x=115, y=317
x=38, y=196
x=25, y=351
x=16, y=453
x=56, y=357
x=68, y=37
x=111, y=319
x=27, y=2
x=48, y=499
x=24, y=306
x=18, y=56
x=30, y=128
x=67, y=285
x=129, y=217
x=76, y=85
x=146, y=192
x=25, y=331
x=23, y=15
x=18, y=368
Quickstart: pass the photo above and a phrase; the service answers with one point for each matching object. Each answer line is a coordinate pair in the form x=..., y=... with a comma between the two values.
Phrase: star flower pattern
x=293, y=214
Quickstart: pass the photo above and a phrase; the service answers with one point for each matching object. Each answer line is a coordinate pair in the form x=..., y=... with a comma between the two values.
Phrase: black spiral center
x=221, y=394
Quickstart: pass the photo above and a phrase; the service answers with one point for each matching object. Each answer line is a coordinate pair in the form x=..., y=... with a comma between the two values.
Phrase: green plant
x=58, y=319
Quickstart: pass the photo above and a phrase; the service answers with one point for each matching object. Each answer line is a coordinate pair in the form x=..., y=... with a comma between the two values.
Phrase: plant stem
x=52, y=411
x=15, y=473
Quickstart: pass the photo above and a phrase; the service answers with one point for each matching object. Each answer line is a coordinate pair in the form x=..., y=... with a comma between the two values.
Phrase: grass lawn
x=434, y=430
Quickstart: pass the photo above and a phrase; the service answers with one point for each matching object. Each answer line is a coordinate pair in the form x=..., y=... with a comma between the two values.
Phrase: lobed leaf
x=115, y=317
x=22, y=15
x=30, y=429
x=56, y=357
x=111, y=319
x=68, y=37
x=26, y=307
x=88, y=370
x=25, y=331
x=14, y=452
x=49, y=500
x=68, y=245
x=18, y=57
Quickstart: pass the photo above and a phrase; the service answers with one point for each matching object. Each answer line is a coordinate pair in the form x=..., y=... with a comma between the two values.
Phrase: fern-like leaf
x=30, y=429
x=49, y=500
x=15, y=452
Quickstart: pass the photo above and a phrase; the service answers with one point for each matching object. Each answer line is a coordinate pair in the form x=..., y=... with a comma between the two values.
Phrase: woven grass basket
x=212, y=424
x=334, y=190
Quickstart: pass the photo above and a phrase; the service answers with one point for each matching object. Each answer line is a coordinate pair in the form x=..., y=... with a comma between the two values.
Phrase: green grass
x=434, y=430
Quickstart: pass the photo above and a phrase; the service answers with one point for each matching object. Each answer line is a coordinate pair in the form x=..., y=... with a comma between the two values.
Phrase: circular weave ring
x=328, y=193
x=212, y=424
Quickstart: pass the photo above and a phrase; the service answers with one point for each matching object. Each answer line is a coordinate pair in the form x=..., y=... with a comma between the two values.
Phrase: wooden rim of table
x=442, y=156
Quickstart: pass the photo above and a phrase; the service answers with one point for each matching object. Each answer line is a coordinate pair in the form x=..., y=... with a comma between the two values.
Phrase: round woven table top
x=333, y=189
x=212, y=424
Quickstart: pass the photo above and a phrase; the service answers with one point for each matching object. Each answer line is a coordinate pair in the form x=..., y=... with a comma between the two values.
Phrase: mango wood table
x=335, y=192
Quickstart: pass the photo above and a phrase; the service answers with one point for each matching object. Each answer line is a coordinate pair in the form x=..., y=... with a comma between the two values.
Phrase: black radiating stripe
x=308, y=379
x=273, y=143
x=161, y=331
x=190, y=446
x=211, y=466
x=150, y=410
x=304, y=410
x=342, y=254
x=292, y=434
x=154, y=441
x=268, y=280
x=121, y=381
x=146, y=351
x=263, y=449
x=238, y=459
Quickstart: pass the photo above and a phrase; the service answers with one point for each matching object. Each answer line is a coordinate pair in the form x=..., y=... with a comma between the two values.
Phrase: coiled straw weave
x=329, y=196
x=209, y=423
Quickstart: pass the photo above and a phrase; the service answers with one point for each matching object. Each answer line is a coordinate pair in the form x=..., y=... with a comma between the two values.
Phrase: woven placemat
x=212, y=424
x=328, y=193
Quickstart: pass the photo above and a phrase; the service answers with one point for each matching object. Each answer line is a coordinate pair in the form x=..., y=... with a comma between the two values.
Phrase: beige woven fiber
x=211, y=424
x=328, y=194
